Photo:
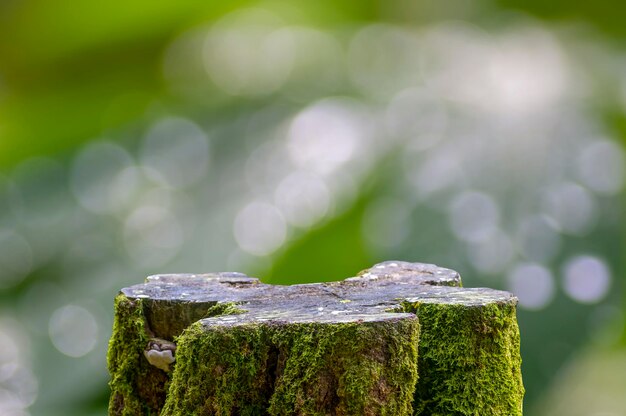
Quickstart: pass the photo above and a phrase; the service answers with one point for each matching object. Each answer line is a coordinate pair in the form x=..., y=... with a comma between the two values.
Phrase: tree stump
x=398, y=339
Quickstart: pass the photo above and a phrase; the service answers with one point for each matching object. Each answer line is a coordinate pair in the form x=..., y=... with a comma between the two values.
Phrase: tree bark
x=399, y=339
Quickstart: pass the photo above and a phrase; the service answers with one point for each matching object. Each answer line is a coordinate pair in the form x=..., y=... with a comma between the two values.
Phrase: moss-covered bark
x=137, y=388
x=319, y=349
x=222, y=371
x=353, y=368
x=469, y=363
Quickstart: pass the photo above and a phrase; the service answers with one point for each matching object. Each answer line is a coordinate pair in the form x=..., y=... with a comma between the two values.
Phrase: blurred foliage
x=72, y=70
x=92, y=197
x=604, y=14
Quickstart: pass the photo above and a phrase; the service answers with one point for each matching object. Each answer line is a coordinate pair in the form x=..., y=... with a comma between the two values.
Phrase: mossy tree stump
x=399, y=339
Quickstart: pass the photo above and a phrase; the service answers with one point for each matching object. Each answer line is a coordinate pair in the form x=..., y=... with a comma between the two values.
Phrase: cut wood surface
x=398, y=339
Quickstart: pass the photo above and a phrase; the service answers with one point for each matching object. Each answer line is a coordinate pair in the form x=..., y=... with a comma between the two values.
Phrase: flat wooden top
x=372, y=295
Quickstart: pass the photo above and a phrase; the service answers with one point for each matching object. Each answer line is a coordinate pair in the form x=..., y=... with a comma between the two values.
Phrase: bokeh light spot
x=439, y=172
x=303, y=198
x=533, y=285
x=572, y=208
x=527, y=73
x=417, y=115
x=260, y=228
x=73, y=330
x=246, y=53
x=324, y=137
x=176, y=152
x=586, y=279
x=384, y=59
x=601, y=167
x=492, y=255
x=18, y=385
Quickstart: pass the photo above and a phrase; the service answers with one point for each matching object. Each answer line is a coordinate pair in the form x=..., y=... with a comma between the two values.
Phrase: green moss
x=296, y=369
x=220, y=371
x=221, y=309
x=469, y=362
x=137, y=388
x=353, y=368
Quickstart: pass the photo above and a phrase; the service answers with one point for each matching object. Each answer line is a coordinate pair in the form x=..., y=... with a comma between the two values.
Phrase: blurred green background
x=304, y=141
